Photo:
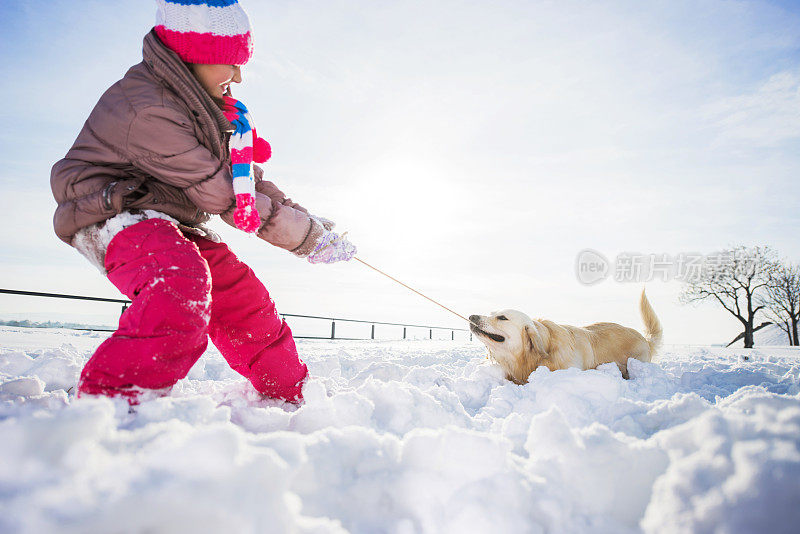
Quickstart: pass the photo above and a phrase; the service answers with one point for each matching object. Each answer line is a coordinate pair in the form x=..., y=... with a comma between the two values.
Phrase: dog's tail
x=653, y=332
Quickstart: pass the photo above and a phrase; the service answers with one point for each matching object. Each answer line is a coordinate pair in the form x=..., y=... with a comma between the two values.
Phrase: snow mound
x=404, y=437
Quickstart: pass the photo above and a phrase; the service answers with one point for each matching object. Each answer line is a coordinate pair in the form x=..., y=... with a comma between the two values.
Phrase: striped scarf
x=245, y=147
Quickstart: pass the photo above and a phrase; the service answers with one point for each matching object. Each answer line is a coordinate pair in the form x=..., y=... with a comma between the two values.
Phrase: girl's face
x=215, y=79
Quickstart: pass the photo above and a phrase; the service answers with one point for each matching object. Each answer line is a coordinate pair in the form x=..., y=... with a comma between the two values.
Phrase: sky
x=470, y=149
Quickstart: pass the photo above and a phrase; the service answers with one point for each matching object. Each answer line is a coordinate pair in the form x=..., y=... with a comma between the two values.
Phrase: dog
x=520, y=344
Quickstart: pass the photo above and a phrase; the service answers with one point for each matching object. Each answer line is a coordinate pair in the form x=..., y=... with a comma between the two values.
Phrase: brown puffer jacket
x=157, y=141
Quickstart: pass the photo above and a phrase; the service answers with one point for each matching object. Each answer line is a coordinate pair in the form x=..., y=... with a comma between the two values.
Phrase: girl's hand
x=331, y=248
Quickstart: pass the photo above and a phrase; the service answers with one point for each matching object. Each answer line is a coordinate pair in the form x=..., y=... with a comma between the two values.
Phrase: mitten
x=331, y=248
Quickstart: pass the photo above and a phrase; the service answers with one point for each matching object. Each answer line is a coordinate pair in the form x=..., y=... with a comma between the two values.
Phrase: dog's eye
x=501, y=318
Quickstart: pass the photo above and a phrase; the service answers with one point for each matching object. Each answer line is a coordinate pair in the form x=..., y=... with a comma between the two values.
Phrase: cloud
x=766, y=116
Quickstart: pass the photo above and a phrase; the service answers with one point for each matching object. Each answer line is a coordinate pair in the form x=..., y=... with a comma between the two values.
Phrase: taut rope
x=409, y=287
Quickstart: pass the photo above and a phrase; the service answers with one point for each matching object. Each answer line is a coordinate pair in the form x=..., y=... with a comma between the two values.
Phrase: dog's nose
x=474, y=318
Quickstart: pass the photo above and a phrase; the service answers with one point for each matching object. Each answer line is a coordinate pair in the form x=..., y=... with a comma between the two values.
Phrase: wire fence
x=333, y=320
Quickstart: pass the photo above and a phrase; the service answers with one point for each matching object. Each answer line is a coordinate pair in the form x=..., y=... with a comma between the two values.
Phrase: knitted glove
x=331, y=248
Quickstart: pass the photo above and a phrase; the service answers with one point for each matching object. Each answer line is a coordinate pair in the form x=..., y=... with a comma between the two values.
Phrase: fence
x=333, y=320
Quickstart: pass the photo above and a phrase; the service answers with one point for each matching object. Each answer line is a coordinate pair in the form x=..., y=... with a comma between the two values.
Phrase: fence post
x=431, y=333
x=404, y=332
x=452, y=335
x=372, y=336
x=333, y=329
x=124, y=307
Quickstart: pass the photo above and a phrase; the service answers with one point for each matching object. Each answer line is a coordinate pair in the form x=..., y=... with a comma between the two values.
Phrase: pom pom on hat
x=215, y=32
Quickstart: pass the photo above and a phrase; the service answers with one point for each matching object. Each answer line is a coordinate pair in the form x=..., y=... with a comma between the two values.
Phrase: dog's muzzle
x=473, y=319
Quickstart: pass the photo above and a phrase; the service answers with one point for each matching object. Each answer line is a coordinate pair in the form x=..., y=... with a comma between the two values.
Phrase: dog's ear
x=533, y=340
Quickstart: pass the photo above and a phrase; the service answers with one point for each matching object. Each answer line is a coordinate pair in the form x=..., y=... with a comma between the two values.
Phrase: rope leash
x=344, y=235
x=409, y=287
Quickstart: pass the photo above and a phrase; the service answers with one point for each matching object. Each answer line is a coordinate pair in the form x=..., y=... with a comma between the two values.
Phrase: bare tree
x=756, y=329
x=736, y=279
x=782, y=300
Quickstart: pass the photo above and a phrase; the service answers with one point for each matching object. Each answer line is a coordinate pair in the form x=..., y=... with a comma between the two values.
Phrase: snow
x=402, y=437
x=92, y=241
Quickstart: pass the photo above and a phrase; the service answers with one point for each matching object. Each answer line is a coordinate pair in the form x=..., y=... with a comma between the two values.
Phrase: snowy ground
x=405, y=437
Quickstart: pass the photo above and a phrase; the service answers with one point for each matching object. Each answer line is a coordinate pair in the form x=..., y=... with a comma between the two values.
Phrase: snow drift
x=404, y=437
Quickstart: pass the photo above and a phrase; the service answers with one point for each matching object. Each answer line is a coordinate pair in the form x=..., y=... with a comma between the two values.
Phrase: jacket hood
x=171, y=71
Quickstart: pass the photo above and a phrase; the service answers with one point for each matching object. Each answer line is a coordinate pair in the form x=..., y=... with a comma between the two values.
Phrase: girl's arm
x=271, y=190
x=162, y=142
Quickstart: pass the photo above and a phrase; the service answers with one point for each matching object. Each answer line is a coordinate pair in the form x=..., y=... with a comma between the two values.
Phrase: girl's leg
x=164, y=331
x=245, y=326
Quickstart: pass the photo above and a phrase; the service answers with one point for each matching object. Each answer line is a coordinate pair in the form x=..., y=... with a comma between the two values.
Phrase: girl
x=165, y=148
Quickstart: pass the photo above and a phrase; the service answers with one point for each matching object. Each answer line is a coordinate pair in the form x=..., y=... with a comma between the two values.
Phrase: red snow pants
x=185, y=289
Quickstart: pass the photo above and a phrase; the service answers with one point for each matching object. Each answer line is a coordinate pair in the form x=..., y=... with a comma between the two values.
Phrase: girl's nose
x=237, y=74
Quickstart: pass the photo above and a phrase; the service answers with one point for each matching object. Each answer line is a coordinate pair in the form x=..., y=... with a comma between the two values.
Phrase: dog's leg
x=623, y=368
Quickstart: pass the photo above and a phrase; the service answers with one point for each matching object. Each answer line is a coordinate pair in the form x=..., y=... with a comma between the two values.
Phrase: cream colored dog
x=520, y=344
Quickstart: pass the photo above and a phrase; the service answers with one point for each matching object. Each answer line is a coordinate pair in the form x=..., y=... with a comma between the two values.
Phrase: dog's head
x=514, y=340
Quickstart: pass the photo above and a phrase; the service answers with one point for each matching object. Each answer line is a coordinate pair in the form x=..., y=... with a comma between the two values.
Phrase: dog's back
x=612, y=342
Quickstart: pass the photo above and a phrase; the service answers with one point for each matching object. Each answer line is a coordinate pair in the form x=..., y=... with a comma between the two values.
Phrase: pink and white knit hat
x=205, y=31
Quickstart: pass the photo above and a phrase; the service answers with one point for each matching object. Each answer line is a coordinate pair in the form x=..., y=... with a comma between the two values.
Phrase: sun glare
x=411, y=200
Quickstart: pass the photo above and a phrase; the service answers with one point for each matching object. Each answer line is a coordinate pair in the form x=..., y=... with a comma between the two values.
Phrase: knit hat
x=205, y=31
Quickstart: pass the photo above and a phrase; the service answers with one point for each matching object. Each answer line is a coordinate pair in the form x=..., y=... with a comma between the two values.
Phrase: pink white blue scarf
x=245, y=147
